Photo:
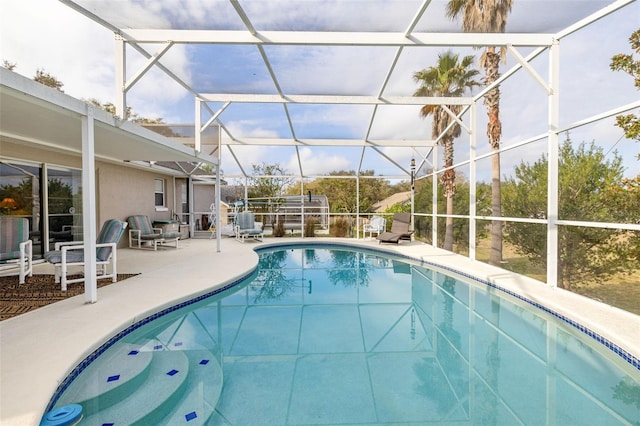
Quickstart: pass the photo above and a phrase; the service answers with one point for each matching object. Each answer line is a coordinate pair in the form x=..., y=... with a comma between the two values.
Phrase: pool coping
x=616, y=329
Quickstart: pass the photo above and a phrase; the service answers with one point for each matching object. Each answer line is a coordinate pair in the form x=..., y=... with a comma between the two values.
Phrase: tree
x=9, y=65
x=449, y=78
x=626, y=199
x=47, y=79
x=340, y=191
x=423, y=203
x=268, y=181
x=488, y=16
x=630, y=123
x=133, y=116
x=588, y=182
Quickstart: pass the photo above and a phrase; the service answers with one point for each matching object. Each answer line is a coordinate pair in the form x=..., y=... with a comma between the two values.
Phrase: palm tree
x=449, y=78
x=488, y=16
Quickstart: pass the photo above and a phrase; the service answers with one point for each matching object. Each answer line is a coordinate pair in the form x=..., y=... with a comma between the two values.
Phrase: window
x=159, y=192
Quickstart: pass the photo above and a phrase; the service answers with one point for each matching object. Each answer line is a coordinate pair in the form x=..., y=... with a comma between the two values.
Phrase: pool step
x=153, y=399
x=202, y=391
x=112, y=376
x=150, y=385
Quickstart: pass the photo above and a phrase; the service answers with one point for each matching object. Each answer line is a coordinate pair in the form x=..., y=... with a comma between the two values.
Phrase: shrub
x=278, y=229
x=310, y=227
x=340, y=227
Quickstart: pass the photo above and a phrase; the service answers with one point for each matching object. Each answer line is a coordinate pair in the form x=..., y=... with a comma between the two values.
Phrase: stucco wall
x=125, y=191
x=204, y=195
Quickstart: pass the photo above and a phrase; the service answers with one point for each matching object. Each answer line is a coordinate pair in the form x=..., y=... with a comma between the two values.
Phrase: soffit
x=34, y=114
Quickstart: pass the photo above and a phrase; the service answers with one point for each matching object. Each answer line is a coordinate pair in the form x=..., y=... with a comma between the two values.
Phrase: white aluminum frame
x=166, y=38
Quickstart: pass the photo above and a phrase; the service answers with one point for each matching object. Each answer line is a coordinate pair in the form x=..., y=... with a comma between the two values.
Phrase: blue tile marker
x=192, y=415
x=63, y=416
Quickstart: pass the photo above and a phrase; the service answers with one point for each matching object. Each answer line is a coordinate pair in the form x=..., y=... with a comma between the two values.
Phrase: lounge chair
x=247, y=227
x=143, y=235
x=399, y=229
x=15, y=245
x=376, y=225
x=72, y=254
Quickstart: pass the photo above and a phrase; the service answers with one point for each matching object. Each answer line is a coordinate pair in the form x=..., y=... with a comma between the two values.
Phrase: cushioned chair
x=399, y=229
x=15, y=245
x=143, y=235
x=71, y=253
x=247, y=227
x=376, y=225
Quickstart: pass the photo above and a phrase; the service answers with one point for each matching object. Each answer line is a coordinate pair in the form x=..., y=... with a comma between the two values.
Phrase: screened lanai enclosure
x=523, y=166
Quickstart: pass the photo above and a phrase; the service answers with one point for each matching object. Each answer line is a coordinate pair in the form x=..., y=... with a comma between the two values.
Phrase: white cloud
x=155, y=92
x=316, y=162
x=249, y=129
x=47, y=34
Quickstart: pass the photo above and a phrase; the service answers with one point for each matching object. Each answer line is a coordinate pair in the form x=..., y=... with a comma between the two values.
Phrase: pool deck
x=38, y=349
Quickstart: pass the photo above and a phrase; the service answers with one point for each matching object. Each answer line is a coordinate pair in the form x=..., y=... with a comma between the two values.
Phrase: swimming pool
x=330, y=335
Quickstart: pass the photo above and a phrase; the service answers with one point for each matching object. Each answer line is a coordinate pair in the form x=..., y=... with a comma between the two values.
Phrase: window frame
x=162, y=193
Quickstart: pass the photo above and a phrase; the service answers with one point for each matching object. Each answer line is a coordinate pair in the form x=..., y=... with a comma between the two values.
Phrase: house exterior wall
x=203, y=196
x=125, y=191
x=121, y=190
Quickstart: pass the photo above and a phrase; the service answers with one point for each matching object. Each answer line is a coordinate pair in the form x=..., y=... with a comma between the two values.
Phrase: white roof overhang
x=36, y=115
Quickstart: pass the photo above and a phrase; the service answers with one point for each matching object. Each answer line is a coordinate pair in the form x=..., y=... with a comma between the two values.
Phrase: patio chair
x=143, y=235
x=15, y=245
x=71, y=253
x=376, y=225
x=246, y=226
x=399, y=229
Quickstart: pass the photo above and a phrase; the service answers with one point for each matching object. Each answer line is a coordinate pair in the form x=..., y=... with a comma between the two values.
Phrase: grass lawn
x=621, y=290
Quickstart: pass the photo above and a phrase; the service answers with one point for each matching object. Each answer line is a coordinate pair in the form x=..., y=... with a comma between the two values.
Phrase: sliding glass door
x=21, y=195
x=64, y=206
x=54, y=210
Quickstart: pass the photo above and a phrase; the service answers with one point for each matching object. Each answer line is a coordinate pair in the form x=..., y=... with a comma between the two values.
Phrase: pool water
x=335, y=336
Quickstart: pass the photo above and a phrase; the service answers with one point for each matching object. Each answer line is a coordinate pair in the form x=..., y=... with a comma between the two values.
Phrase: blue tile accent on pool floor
x=113, y=378
x=192, y=415
x=172, y=372
x=628, y=357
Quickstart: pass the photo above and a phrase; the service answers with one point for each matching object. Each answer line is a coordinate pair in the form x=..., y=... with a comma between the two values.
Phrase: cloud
x=332, y=15
x=317, y=162
x=49, y=35
x=155, y=92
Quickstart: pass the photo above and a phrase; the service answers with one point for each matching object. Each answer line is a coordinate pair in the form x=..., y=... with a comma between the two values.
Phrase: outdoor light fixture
x=413, y=173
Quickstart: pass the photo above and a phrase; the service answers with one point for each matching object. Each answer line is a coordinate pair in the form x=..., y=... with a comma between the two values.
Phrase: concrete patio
x=40, y=348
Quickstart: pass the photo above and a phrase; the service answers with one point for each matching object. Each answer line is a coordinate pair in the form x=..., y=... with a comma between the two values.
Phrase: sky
x=79, y=52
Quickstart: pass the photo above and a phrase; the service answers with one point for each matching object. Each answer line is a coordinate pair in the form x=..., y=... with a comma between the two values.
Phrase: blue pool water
x=329, y=335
